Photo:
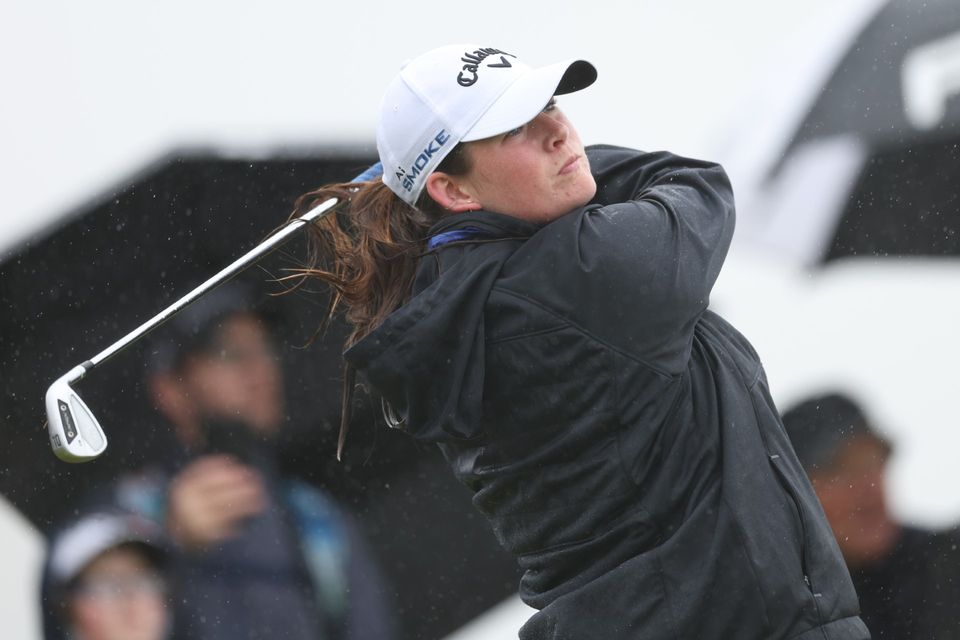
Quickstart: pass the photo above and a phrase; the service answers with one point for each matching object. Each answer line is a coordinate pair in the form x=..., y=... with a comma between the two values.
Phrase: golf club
x=75, y=434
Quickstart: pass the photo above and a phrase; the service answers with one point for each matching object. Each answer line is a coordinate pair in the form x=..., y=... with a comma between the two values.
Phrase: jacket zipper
x=781, y=477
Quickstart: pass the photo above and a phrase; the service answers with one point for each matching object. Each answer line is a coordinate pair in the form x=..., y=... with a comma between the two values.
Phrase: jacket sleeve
x=639, y=262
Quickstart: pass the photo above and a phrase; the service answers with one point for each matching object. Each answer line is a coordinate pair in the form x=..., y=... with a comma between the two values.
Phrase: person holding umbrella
x=907, y=577
x=256, y=552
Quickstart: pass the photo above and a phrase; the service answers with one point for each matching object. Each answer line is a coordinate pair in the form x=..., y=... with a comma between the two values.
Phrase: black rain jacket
x=619, y=436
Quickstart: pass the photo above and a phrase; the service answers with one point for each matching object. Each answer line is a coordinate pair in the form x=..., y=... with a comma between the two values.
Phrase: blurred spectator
x=104, y=579
x=908, y=579
x=256, y=554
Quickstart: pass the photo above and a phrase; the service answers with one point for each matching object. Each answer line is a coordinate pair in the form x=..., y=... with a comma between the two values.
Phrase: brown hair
x=367, y=251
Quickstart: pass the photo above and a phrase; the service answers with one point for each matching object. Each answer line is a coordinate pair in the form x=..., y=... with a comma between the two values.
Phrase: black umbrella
x=896, y=68
x=116, y=262
x=905, y=203
x=896, y=94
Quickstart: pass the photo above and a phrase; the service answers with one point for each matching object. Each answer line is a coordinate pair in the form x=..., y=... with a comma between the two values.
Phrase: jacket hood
x=427, y=358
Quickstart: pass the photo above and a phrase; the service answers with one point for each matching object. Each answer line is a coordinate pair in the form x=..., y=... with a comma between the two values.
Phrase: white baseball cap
x=460, y=93
x=83, y=541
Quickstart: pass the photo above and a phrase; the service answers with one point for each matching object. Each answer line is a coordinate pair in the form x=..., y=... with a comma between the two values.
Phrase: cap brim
x=78, y=546
x=529, y=94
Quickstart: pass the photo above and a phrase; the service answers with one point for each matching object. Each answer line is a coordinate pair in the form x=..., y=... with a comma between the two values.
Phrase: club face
x=75, y=434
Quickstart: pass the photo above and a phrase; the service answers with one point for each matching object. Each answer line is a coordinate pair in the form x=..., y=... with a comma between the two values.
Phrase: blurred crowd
x=215, y=541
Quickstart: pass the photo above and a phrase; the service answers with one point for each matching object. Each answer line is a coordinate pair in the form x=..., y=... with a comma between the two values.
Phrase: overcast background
x=93, y=91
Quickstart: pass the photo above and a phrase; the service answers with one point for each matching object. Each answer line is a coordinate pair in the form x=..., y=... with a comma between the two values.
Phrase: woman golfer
x=539, y=310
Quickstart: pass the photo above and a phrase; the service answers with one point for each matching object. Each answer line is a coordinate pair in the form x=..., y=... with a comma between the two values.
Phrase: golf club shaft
x=237, y=266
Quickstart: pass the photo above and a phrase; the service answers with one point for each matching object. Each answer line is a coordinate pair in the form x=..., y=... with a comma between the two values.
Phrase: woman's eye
x=515, y=132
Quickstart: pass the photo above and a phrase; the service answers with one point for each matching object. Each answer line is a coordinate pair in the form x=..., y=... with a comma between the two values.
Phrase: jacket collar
x=495, y=225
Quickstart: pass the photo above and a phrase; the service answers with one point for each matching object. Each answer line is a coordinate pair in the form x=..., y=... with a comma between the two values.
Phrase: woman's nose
x=555, y=131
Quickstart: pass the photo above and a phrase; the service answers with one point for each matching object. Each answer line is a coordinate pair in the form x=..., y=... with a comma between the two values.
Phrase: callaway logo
x=469, y=74
x=408, y=176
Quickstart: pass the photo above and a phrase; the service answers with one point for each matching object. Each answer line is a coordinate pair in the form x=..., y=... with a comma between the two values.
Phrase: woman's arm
x=638, y=263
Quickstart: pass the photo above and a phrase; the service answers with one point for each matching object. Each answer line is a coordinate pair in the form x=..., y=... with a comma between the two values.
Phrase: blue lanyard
x=456, y=235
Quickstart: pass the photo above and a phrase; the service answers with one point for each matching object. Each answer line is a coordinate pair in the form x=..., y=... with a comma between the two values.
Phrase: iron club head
x=75, y=434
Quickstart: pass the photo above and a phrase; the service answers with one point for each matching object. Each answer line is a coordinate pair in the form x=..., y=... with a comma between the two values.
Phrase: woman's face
x=536, y=172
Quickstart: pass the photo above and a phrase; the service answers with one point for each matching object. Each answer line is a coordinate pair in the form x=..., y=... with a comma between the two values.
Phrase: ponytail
x=367, y=251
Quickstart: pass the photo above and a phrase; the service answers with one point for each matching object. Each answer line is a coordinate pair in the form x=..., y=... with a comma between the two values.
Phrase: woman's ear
x=451, y=193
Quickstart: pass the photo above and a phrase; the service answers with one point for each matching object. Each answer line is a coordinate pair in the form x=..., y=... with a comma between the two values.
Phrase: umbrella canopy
x=898, y=81
x=121, y=259
x=868, y=168
x=905, y=202
x=897, y=91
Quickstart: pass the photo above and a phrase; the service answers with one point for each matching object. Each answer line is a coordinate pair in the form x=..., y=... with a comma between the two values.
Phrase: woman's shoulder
x=611, y=148
x=601, y=153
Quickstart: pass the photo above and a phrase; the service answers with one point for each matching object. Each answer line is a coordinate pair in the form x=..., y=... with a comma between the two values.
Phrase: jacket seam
x=670, y=415
x=668, y=600
x=557, y=546
x=655, y=369
x=738, y=528
x=529, y=334
x=822, y=628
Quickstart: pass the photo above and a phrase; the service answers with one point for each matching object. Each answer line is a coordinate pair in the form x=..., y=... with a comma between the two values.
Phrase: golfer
x=539, y=310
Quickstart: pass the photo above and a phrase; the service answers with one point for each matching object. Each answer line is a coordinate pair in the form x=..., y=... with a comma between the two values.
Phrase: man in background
x=256, y=554
x=908, y=579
